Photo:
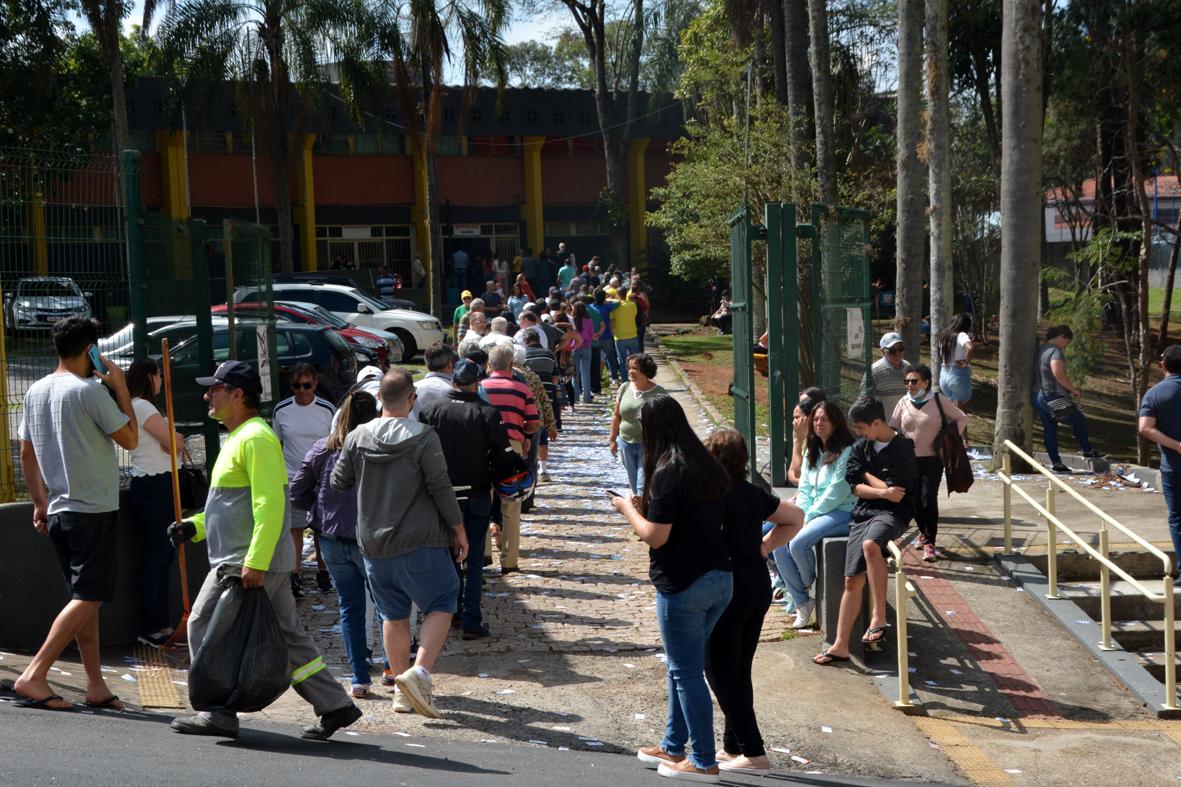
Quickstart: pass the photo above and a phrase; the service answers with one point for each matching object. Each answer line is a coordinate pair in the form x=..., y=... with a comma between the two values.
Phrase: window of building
x=449, y=145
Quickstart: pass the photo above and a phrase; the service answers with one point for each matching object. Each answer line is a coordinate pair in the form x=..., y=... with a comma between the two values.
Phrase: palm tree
x=105, y=18
x=911, y=239
x=1021, y=209
x=274, y=52
x=939, y=173
x=414, y=43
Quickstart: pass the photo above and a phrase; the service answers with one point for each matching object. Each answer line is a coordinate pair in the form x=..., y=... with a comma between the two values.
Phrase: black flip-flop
x=107, y=704
x=832, y=658
x=43, y=703
x=869, y=639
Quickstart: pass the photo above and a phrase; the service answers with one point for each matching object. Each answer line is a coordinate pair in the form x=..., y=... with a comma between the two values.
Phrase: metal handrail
x=903, y=592
x=1106, y=565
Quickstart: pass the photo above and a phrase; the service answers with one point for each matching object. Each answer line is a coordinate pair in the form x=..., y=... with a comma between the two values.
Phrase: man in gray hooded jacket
x=408, y=523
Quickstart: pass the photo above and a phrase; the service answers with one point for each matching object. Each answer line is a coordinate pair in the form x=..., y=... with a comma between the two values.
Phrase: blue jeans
x=1171, y=487
x=624, y=348
x=632, y=455
x=347, y=568
x=797, y=561
x=686, y=620
x=1077, y=422
x=607, y=347
x=582, y=373
x=476, y=513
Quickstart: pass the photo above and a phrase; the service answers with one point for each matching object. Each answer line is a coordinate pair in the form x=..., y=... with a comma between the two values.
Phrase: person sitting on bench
x=883, y=474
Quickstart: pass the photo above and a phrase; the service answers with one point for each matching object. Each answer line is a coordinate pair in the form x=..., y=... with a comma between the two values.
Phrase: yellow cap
x=465, y=294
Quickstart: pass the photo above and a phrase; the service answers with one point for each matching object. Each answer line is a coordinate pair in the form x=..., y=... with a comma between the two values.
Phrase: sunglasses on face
x=895, y=350
x=912, y=382
x=304, y=386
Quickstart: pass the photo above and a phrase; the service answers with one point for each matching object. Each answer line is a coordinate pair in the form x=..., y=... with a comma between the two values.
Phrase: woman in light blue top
x=826, y=499
x=517, y=301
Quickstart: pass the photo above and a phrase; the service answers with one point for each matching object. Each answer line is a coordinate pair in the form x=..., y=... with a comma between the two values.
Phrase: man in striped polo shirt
x=518, y=413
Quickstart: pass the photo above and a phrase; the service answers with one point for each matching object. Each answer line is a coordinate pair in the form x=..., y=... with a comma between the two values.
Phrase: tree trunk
x=1021, y=199
x=799, y=102
x=1135, y=159
x=822, y=99
x=279, y=160
x=910, y=253
x=436, y=232
x=119, y=101
x=939, y=174
x=778, y=49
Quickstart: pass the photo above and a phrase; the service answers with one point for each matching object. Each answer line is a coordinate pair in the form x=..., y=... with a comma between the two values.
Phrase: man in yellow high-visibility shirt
x=244, y=524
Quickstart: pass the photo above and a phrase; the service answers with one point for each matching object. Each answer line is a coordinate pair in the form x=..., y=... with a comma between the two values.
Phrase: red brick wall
x=480, y=180
x=364, y=180
x=572, y=181
x=225, y=181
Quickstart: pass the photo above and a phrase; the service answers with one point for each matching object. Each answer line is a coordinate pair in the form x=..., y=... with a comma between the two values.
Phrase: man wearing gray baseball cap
x=889, y=373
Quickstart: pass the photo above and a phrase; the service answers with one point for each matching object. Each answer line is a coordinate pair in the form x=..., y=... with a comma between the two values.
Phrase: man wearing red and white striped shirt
x=518, y=413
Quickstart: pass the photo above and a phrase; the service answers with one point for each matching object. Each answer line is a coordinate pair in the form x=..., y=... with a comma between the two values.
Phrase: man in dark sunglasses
x=889, y=372
x=299, y=421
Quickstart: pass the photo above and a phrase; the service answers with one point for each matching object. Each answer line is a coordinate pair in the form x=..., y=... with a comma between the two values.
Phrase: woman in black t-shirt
x=731, y=648
x=680, y=518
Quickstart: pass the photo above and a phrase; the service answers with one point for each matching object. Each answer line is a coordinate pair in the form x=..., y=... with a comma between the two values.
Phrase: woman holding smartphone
x=679, y=516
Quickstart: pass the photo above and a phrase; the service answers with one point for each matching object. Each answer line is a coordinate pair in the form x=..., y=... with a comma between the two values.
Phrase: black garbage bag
x=242, y=665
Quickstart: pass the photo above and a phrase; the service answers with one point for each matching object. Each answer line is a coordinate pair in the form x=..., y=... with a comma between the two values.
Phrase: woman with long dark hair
x=827, y=502
x=919, y=417
x=151, y=500
x=679, y=516
x=731, y=649
x=955, y=354
x=335, y=517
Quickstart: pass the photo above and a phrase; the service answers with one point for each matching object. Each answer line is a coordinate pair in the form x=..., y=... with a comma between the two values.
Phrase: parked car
x=323, y=348
x=386, y=346
x=38, y=302
x=119, y=343
x=356, y=279
x=416, y=330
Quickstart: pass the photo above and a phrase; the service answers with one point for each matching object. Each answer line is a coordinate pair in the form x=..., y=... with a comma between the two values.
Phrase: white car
x=416, y=330
x=40, y=301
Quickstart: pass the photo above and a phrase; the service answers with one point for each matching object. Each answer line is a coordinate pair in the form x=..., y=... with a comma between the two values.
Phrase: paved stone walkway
x=583, y=586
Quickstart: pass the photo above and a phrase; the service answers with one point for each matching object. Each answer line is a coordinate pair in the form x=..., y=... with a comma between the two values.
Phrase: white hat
x=369, y=373
x=890, y=339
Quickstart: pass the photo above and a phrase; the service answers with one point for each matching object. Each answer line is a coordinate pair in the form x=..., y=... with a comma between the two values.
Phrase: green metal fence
x=818, y=315
x=62, y=253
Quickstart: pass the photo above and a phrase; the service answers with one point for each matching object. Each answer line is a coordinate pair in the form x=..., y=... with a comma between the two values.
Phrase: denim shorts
x=956, y=382
x=86, y=546
x=425, y=577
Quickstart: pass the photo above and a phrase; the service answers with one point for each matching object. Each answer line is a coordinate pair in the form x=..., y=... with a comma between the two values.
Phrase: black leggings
x=730, y=654
x=926, y=510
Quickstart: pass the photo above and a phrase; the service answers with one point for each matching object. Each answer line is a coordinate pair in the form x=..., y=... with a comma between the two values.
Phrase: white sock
x=422, y=672
x=541, y=463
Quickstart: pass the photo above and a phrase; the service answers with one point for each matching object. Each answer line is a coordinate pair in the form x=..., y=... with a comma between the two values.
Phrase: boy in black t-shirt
x=882, y=473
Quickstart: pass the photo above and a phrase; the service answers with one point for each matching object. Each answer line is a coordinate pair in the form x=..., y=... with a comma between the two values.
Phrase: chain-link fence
x=841, y=301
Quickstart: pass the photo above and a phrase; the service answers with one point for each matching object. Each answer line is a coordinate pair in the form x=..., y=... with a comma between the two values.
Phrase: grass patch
x=714, y=350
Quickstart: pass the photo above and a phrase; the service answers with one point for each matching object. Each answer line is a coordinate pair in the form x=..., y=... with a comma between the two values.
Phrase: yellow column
x=420, y=214
x=637, y=200
x=174, y=185
x=531, y=211
x=305, y=209
x=37, y=234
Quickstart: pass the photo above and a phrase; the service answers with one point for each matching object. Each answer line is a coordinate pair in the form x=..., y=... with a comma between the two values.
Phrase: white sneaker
x=804, y=615
x=401, y=704
x=417, y=690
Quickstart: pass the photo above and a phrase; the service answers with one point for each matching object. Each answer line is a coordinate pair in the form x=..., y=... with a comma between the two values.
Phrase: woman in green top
x=627, y=438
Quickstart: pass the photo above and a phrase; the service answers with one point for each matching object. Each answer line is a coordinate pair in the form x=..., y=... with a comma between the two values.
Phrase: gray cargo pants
x=309, y=677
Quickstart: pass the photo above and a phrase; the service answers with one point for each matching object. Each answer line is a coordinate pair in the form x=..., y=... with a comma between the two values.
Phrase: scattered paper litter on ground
x=781, y=750
x=128, y=677
x=826, y=729
x=640, y=717
x=506, y=691
x=800, y=760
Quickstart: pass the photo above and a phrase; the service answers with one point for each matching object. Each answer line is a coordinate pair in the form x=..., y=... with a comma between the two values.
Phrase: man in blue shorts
x=883, y=475
x=408, y=523
x=1160, y=422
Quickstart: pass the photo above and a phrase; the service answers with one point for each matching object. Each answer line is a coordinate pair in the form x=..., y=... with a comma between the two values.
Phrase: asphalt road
x=41, y=747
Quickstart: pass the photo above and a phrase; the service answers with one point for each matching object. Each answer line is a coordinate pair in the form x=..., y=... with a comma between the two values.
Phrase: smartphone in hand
x=612, y=493
x=95, y=360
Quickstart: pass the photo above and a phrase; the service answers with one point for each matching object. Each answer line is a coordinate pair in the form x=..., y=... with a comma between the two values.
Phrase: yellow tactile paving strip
x=976, y=765
x=971, y=761
x=154, y=680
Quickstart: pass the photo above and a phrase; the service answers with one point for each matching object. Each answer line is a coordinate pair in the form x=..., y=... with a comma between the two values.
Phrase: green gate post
x=741, y=293
x=137, y=279
x=198, y=236
x=783, y=333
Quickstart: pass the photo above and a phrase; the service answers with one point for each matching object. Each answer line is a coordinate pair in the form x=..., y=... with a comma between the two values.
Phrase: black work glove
x=180, y=532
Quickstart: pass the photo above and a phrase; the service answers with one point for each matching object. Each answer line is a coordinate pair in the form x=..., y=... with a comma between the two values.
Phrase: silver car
x=40, y=301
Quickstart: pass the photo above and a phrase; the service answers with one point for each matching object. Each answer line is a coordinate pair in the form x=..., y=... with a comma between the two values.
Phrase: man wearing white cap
x=889, y=372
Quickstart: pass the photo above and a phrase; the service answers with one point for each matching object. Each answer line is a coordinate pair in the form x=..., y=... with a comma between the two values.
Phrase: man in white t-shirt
x=299, y=421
